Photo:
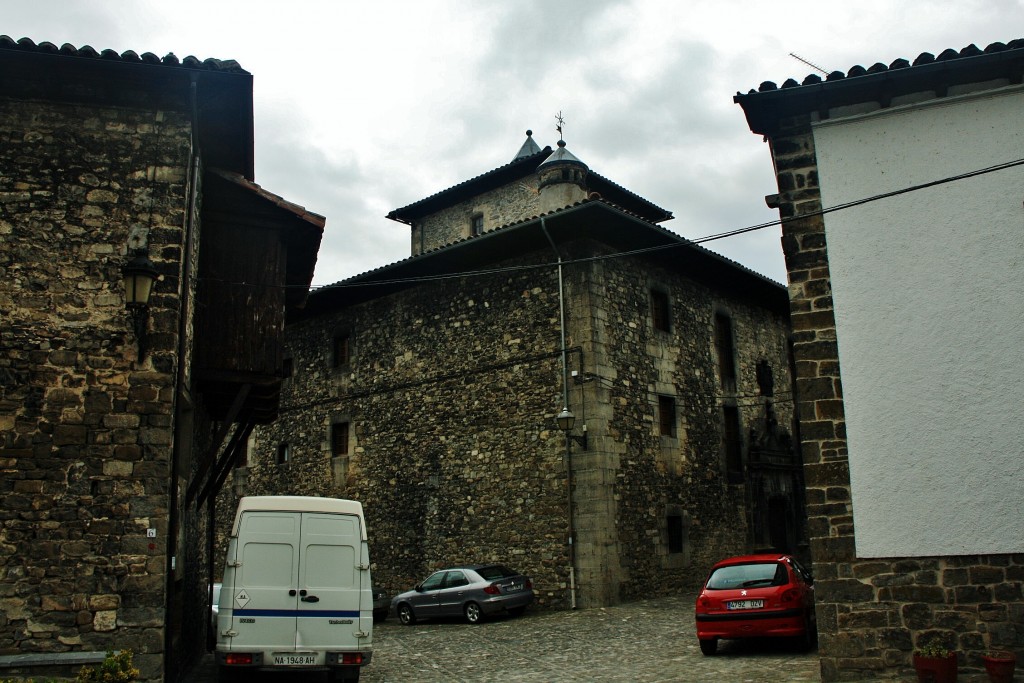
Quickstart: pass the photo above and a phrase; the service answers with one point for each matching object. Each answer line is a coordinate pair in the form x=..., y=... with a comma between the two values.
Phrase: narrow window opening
x=342, y=350
x=667, y=415
x=478, y=224
x=731, y=442
x=674, y=526
x=284, y=453
x=339, y=439
x=725, y=347
x=661, y=313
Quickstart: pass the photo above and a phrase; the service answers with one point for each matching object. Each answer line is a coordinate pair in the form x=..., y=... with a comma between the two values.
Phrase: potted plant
x=934, y=663
x=999, y=665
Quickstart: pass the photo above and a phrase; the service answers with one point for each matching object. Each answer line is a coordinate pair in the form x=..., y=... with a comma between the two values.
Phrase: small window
x=342, y=350
x=339, y=439
x=674, y=526
x=284, y=453
x=667, y=415
x=661, y=313
x=731, y=443
x=725, y=348
x=477, y=224
x=242, y=454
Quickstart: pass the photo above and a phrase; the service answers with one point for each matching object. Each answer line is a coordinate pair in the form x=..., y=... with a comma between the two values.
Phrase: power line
x=646, y=250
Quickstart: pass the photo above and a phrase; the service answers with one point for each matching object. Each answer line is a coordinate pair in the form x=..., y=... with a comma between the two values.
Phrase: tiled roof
x=620, y=228
x=922, y=59
x=769, y=105
x=300, y=212
x=129, y=56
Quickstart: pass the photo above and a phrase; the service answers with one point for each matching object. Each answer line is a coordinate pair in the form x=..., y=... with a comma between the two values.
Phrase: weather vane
x=561, y=122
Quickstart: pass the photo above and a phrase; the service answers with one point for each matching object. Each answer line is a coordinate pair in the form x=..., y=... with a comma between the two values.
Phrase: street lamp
x=566, y=420
x=139, y=276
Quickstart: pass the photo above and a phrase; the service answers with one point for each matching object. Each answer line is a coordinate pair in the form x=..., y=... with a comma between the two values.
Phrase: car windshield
x=748, y=576
x=495, y=571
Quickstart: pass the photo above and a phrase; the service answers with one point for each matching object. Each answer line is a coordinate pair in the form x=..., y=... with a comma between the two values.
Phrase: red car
x=756, y=596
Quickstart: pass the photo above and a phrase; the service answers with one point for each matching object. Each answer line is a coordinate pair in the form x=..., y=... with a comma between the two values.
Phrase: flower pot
x=936, y=669
x=999, y=666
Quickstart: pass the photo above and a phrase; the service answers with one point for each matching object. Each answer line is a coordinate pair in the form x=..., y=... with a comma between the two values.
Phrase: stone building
x=429, y=389
x=117, y=422
x=900, y=196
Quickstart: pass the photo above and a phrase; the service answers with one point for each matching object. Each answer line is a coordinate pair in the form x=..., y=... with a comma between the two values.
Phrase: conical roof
x=529, y=147
x=562, y=156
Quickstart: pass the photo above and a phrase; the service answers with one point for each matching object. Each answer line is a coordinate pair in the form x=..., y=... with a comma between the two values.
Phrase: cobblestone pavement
x=650, y=641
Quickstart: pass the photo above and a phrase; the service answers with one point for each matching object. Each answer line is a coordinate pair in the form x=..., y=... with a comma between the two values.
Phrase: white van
x=296, y=591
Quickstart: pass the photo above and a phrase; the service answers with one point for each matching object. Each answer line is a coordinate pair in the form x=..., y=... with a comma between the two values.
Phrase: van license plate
x=745, y=604
x=294, y=660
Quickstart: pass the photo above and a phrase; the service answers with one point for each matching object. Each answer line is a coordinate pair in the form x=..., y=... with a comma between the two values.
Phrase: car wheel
x=708, y=646
x=474, y=614
x=406, y=615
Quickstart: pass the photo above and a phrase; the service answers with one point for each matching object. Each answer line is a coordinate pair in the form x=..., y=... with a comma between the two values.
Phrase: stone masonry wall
x=503, y=206
x=85, y=431
x=451, y=396
x=656, y=474
x=871, y=613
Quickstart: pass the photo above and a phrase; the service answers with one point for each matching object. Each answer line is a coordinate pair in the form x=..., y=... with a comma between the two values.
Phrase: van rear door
x=330, y=581
x=264, y=597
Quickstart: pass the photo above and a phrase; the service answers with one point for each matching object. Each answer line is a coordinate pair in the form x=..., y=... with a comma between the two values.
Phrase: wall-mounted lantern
x=139, y=276
x=566, y=420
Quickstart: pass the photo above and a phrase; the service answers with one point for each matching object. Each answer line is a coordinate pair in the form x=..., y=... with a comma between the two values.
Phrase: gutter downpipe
x=174, y=552
x=565, y=404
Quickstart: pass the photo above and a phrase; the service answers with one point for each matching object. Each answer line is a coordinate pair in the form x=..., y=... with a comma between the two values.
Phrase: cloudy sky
x=364, y=107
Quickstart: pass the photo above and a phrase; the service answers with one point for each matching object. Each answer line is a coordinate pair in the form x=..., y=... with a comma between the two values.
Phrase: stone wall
x=683, y=474
x=450, y=397
x=871, y=613
x=502, y=206
x=85, y=430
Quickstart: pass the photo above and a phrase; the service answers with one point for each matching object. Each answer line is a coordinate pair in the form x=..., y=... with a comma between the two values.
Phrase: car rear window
x=496, y=571
x=752, y=575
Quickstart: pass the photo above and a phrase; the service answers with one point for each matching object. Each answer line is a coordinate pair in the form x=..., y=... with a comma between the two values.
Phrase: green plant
x=116, y=668
x=1000, y=654
x=933, y=650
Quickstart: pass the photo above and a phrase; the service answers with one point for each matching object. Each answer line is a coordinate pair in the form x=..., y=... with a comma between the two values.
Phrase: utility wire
x=646, y=250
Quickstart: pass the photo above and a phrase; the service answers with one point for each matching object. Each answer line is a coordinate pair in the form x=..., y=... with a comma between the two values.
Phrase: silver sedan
x=471, y=591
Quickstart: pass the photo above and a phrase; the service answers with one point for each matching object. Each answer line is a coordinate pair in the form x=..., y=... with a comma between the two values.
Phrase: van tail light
x=493, y=589
x=791, y=595
x=238, y=659
x=352, y=658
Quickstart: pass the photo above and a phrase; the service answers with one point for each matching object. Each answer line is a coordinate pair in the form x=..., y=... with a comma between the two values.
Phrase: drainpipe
x=173, y=551
x=568, y=439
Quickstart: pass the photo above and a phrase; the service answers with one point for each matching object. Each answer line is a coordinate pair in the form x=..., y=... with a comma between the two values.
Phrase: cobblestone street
x=644, y=642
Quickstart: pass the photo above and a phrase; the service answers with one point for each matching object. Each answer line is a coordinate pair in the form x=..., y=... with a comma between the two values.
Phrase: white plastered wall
x=929, y=300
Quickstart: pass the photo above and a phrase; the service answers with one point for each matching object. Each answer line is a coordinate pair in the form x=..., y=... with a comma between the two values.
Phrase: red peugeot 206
x=756, y=596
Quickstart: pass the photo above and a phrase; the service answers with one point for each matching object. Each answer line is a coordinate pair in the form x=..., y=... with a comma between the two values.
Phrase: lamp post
x=139, y=275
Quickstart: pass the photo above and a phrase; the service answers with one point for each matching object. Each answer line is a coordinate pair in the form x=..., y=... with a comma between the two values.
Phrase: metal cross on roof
x=561, y=122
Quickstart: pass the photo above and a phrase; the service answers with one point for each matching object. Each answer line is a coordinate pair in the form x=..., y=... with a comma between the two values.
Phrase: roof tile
x=129, y=56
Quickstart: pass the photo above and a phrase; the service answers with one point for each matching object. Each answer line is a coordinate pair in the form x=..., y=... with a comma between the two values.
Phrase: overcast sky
x=364, y=107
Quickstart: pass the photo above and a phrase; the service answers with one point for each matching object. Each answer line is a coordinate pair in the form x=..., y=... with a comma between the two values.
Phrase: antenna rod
x=813, y=66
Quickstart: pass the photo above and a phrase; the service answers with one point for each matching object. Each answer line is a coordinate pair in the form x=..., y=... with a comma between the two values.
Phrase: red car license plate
x=745, y=604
